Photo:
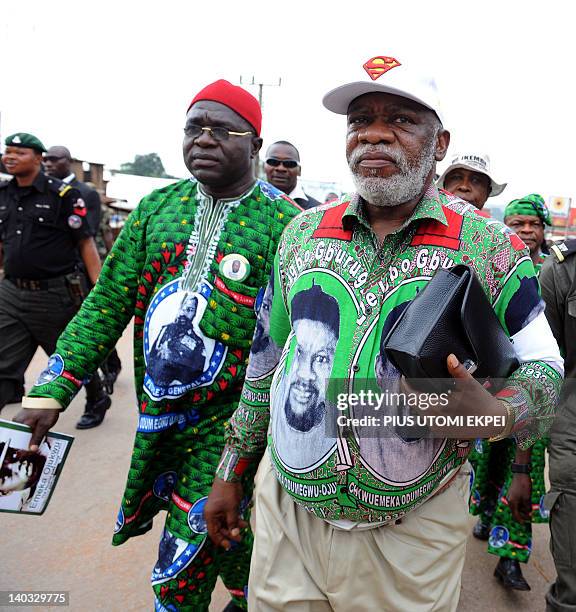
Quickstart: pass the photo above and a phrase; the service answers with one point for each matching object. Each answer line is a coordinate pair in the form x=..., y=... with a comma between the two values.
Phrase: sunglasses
x=287, y=163
x=218, y=133
x=53, y=158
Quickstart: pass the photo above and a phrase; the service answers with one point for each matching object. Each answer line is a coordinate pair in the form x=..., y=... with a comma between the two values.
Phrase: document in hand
x=28, y=479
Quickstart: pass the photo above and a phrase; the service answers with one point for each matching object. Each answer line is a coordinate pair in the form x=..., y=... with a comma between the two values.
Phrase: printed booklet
x=28, y=479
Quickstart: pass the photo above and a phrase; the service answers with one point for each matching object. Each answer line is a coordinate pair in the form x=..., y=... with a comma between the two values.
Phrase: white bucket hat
x=477, y=162
x=385, y=74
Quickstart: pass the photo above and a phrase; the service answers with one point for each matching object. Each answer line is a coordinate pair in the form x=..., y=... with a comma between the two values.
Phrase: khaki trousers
x=301, y=563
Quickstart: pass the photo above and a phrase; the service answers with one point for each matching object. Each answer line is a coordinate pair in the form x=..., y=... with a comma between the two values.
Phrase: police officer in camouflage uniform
x=558, y=282
x=42, y=233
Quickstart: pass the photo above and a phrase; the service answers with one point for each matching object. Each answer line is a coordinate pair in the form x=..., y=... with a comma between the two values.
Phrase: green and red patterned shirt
x=334, y=295
x=189, y=269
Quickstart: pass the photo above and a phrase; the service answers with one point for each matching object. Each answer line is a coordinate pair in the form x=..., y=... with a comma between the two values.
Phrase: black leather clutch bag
x=450, y=315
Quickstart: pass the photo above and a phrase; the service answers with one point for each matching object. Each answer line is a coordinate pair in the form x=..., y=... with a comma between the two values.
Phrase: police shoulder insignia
x=563, y=249
x=80, y=207
x=379, y=65
x=63, y=189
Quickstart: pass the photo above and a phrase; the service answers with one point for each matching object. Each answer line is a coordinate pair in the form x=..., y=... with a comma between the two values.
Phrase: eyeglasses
x=287, y=163
x=218, y=133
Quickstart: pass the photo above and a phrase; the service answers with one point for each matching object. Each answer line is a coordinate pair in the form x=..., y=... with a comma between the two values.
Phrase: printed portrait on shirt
x=393, y=454
x=265, y=353
x=178, y=353
x=300, y=405
x=179, y=357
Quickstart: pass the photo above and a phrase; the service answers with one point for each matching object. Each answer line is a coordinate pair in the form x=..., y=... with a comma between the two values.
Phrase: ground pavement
x=68, y=548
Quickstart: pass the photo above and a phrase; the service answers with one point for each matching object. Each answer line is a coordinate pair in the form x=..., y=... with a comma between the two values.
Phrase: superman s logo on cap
x=379, y=65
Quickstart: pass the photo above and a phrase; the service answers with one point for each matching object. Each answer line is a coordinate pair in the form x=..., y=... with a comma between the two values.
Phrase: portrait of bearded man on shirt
x=302, y=408
x=178, y=353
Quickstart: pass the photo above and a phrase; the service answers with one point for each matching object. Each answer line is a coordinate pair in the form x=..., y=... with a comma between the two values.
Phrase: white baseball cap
x=477, y=162
x=385, y=74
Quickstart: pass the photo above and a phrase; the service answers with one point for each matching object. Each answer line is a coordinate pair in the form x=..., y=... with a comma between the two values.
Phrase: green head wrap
x=532, y=204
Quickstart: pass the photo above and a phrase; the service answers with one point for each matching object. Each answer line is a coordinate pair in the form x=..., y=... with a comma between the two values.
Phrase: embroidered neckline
x=209, y=222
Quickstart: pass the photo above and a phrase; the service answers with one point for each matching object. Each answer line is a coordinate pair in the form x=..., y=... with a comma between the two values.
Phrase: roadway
x=68, y=548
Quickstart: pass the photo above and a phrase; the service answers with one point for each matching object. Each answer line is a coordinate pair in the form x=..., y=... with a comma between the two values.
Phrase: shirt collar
x=69, y=178
x=236, y=199
x=40, y=183
x=297, y=192
x=429, y=207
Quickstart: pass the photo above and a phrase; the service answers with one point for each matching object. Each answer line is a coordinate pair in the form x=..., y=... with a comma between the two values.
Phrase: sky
x=110, y=80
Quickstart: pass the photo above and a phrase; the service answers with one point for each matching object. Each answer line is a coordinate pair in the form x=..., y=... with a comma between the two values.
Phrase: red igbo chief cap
x=234, y=97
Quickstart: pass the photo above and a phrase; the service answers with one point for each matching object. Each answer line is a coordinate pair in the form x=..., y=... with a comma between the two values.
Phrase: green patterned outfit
x=492, y=479
x=189, y=270
x=334, y=296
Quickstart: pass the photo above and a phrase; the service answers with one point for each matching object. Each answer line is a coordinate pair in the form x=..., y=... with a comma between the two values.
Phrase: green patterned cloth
x=492, y=479
x=533, y=205
x=334, y=296
x=194, y=317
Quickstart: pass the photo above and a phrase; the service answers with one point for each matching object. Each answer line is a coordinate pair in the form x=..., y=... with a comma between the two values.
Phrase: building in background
x=563, y=212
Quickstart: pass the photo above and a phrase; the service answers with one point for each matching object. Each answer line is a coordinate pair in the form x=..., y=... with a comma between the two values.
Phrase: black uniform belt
x=30, y=284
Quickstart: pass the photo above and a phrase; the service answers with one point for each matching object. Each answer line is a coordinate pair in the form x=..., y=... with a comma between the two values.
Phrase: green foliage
x=145, y=165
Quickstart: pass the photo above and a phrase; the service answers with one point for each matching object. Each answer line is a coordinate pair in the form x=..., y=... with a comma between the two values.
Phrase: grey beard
x=398, y=188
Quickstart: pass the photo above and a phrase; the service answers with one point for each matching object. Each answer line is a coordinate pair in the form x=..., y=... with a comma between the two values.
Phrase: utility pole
x=252, y=81
x=258, y=171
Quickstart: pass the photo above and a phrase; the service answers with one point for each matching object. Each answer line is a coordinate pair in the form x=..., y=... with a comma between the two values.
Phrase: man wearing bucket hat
x=509, y=487
x=468, y=176
x=190, y=266
x=338, y=528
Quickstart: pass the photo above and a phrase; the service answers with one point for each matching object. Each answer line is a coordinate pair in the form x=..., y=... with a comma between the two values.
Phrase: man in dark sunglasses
x=282, y=169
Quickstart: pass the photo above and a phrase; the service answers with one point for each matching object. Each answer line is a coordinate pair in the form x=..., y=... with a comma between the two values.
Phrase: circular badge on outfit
x=74, y=221
x=499, y=536
x=54, y=369
x=544, y=512
x=259, y=299
x=476, y=499
x=235, y=267
x=164, y=485
x=196, y=520
x=119, y=520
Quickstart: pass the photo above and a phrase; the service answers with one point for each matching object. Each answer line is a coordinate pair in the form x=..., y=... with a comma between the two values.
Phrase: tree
x=145, y=165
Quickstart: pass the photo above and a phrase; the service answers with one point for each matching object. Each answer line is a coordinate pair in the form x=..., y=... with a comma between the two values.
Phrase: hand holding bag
x=450, y=315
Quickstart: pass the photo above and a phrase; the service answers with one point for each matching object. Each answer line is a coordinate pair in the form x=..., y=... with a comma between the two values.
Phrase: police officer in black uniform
x=58, y=163
x=42, y=233
x=558, y=282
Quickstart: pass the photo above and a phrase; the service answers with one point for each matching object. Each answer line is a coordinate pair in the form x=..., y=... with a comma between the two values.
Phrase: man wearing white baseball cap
x=369, y=519
x=468, y=177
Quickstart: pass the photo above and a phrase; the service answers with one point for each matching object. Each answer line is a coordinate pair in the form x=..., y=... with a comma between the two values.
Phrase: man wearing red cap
x=190, y=266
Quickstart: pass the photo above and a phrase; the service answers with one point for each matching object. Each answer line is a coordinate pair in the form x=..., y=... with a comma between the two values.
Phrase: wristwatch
x=521, y=468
